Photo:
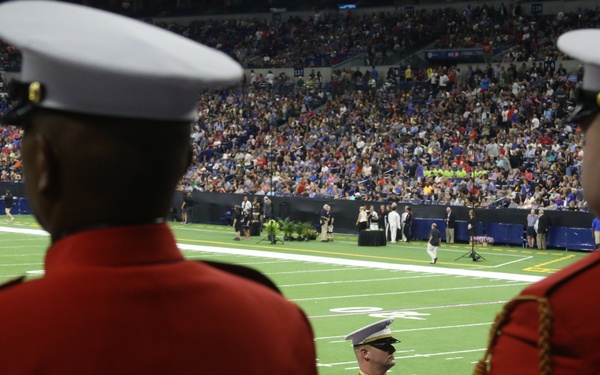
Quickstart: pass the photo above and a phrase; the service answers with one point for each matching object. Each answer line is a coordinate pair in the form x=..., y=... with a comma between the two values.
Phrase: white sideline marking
x=21, y=264
x=514, y=261
x=314, y=270
x=362, y=263
x=38, y=232
x=328, y=260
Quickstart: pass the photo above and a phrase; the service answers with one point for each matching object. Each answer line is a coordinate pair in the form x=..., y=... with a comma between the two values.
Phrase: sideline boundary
x=329, y=260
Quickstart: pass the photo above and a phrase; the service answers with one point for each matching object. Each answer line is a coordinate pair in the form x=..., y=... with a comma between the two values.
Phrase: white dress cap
x=584, y=45
x=94, y=62
x=373, y=332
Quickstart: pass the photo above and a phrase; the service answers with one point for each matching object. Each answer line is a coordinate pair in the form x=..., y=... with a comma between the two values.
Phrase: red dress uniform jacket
x=552, y=325
x=123, y=300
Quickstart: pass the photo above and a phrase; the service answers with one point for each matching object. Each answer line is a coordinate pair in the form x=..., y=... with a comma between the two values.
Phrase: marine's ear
x=47, y=167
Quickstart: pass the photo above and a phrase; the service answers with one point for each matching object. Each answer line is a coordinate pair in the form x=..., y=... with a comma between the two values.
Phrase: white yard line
x=357, y=281
x=461, y=288
x=514, y=261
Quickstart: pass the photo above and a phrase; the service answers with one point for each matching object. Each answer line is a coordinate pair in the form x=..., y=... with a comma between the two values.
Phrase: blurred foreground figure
x=106, y=104
x=550, y=327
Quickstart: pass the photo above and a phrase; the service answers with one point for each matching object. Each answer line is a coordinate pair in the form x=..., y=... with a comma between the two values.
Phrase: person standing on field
x=9, y=202
x=543, y=226
x=450, y=223
x=394, y=222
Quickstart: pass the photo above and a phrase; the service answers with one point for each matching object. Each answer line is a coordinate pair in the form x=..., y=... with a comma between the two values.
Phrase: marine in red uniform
x=550, y=328
x=373, y=348
x=106, y=103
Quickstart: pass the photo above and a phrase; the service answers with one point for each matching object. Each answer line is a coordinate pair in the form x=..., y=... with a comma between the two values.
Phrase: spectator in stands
x=91, y=145
x=242, y=123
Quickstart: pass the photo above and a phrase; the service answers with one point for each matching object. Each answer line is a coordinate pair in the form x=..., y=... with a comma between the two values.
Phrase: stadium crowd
x=459, y=146
x=328, y=38
x=486, y=135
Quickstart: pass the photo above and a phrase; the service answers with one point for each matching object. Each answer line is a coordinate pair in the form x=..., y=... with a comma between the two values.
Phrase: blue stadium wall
x=569, y=230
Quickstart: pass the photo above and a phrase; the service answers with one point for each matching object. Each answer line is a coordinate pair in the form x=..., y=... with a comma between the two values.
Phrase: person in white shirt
x=535, y=122
x=443, y=81
x=394, y=222
x=270, y=78
x=246, y=204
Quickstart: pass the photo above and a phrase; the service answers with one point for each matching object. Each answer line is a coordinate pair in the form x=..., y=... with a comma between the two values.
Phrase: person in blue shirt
x=596, y=231
x=485, y=84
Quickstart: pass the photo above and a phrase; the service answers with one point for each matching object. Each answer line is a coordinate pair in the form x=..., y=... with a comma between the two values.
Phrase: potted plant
x=287, y=226
x=305, y=231
x=272, y=228
x=300, y=228
x=311, y=232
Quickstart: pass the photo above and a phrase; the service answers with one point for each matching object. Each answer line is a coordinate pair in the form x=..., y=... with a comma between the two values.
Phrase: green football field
x=442, y=312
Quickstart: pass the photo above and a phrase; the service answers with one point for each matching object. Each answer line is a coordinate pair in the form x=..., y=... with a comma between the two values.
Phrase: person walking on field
x=9, y=202
x=325, y=216
x=434, y=243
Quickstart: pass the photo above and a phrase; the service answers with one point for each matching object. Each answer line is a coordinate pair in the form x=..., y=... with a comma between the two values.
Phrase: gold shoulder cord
x=544, y=333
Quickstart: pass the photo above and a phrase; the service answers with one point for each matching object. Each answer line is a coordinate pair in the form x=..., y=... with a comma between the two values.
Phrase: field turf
x=442, y=312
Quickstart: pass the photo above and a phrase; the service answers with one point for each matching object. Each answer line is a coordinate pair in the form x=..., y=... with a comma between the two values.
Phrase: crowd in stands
x=322, y=40
x=525, y=37
x=484, y=136
x=328, y=38
x=460, y=145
